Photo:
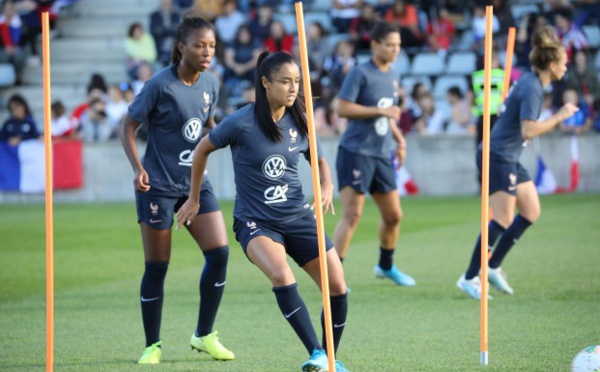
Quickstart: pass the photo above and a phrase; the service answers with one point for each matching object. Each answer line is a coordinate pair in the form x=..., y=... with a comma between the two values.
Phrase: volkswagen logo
x=192, y=130
x=274, y=167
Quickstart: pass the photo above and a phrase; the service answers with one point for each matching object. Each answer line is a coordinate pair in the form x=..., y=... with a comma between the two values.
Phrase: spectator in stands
x=10, y=35
x=163, y=28
x=581, y=121
x=279, y=39
x=405, y=15
x=406, y=120
x=337, y=65
x=432, y=120
x=183, y=5
x=418, y=90
x=95, y=123
x=207, y=9
x=97, y=81
x=497, y=83
x=327, y=122
x=569, y=33
x=93, y=92
x=240, y=59
x=584, y=79
x=479, y=27
x=505, y=18
x=343, y=12
x=144, y=73
x=229, y=21
x=440, y=31
x=62, y=126
x=116, y=104
x=529, y=24
x=317, y=45
x=360, y=27
x=139, y=48
x=260, y=24
x=20, y=125
x=30, y=12
x=461, y=121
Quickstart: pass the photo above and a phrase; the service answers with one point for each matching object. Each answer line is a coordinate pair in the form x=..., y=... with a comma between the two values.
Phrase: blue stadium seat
x=463, y=63
x=409, y=81
x=402, y=63
x=427, y=64
x=519, y=10
x=592, y=32
x=322, y=17
x=8, y=76
x=289, y=22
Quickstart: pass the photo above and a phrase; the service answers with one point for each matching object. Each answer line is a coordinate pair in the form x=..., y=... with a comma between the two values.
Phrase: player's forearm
x=353, y=110
x=324, y=172
x=127, y=136
x=199, y=161
x=531, y=129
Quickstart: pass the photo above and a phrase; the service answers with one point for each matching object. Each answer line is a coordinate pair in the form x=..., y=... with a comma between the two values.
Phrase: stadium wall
x=440, y=165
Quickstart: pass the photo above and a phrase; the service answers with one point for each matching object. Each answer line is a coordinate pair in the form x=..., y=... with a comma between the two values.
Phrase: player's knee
x=337, y=287
x=352, y=217
x=217, y=257
x=531, y=214
x=281, y=276
x=393, y=219
x=156, y=270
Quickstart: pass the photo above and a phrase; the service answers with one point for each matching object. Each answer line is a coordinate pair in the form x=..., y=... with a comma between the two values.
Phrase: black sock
x=339, y=312
x=494, y=231
x=294, y=310
x=151, y=299
x=212, y=285
x=508, y=239
x=386, y=258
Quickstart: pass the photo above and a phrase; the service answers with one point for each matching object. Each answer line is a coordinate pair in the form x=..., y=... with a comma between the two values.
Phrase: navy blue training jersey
x=268, y=187
x=174, y=114
x=367, y=85
x=524, y=102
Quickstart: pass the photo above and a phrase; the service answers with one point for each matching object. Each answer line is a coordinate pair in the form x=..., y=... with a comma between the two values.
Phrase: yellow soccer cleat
x=210, y=344
x=152, y=354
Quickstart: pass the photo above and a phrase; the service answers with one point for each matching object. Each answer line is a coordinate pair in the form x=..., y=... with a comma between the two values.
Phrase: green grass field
x=432, y=327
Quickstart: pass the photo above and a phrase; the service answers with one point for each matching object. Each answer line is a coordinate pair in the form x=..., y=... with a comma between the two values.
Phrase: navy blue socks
x=494, y=231
x=386, y=258
x=339, y=312
x=212, y=285
x=151, y=299
x=508, y=240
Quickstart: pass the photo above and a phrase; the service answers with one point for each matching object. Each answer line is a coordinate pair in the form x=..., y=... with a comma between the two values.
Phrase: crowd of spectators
x=337, y=41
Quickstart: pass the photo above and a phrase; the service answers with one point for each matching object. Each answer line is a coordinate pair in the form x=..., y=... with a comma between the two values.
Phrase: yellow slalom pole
x=485, y=184
x=49, y=203
x=314, y=163
x=510, y=49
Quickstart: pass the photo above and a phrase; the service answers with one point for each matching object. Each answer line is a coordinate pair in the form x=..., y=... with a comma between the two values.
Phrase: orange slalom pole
x=510, y=50
x=485, y=182
x=314, y=163
x=49, y=203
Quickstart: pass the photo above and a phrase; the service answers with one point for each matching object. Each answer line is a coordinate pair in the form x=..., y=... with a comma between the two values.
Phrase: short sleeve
x=144, y=102
x=225, y=134
x=531, y=105
x=352, y=85
x=319, y=151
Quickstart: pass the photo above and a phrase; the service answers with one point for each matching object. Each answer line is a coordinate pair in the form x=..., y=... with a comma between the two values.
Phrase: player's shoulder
x=240, y=118
x=210, y=78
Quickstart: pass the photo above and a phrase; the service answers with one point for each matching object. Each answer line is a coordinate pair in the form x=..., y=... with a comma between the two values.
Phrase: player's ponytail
x=189, y=22
x=266, y=66
x=547, y=48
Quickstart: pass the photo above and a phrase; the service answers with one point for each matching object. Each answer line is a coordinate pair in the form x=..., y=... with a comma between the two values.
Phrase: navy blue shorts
x=365, y=173
x=504, y=176
x=299, y=236
x=157, y=210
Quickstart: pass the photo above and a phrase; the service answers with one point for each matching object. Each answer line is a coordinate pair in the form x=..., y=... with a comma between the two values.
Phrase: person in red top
x=278, y=39
x=10, y=33
x=405, y=15
x=440, y=32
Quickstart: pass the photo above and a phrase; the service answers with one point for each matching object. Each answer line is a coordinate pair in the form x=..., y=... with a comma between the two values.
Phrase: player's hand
x=567, y=111
x=141, y=181
x=187, y=212
x=327, y=198
x=392, y=112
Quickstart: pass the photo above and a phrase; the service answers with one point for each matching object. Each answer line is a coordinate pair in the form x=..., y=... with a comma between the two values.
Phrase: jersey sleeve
x=215, y=95
x=225, y=134
x=319, y=151
x=144, y=102
x=352, y=85
x=531, y=105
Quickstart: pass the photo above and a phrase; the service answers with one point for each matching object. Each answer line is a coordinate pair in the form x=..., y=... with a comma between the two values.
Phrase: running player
x=176, y=105
x=369, y=97
x=510, y=184
x=272, y=216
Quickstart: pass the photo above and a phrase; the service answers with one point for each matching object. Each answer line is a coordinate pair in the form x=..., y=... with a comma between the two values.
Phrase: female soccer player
x=510, y=184
x=272, y=216
x=176, y=105
x=368, y=98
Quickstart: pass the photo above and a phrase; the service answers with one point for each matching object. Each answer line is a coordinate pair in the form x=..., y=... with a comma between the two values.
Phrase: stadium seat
x=322, y=17
x=462, y=63
x=409, y=81
x=519, y=10
x=289, y=22
x=402, y=63
x=502, y=58
x=465, y=41
x=427, y=64
x=362, y=57
x=333, y=39
x=8, y=76
x=592, y=32
x=443, y=83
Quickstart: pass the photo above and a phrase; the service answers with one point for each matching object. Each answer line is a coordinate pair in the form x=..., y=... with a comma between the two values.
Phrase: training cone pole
x=510, y=50
x=314, y=163
x=49, y=212
x=485, y=183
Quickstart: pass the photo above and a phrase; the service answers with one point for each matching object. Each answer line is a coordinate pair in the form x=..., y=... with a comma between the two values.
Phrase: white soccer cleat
x=471, y=287
x=497, y=278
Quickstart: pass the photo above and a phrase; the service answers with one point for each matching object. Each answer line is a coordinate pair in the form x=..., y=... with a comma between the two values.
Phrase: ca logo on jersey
x=192, y=130
x=186, y=157
x=274, y=167
x=382, y=124
x=276, y=194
